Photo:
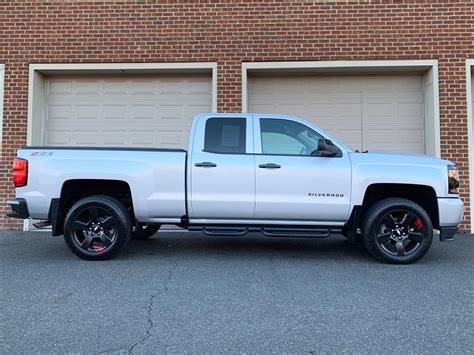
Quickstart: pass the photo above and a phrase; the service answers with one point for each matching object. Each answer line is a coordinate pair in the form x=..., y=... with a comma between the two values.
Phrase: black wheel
x=141, y=231
x=397, y=231
x=97, y=227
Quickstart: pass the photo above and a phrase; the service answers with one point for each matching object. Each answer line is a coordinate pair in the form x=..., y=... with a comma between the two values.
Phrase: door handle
x=205, y=164
x=269, y=166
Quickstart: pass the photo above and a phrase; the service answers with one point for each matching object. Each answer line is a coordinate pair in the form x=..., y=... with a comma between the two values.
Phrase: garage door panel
x=144, y=138
x=59, y=112
x=88, y=112
x=58, y=137
x=411, y=109
x=114, y=112
x=356, y=109
x=143, y=112
x=111, y=137
x=107, y=111
x=87, y=87
x=60, y=87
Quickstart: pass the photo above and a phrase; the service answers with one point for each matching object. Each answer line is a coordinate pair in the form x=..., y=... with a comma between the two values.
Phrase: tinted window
x=287, y=137
x=225, y=135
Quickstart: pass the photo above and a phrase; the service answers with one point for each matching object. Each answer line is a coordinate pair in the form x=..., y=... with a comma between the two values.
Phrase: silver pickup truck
x=276, y=174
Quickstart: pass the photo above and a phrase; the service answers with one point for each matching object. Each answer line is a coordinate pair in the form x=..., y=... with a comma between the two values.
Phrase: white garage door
x=142, y=111
x=375, y=112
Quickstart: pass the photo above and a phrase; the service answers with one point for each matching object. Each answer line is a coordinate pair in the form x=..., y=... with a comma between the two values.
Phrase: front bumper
x=451, y=211
x=19, y=208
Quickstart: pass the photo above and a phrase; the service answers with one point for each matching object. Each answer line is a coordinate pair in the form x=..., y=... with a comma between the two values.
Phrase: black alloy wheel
x=97, y=227
x=397, y=231
x=400, y=232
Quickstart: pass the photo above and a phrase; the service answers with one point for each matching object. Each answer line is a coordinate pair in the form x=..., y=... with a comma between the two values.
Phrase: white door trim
x=430, y=67
x=2, y=81
x=470, y=133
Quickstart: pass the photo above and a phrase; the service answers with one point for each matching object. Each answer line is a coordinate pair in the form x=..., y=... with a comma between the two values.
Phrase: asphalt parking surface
x=184, y=292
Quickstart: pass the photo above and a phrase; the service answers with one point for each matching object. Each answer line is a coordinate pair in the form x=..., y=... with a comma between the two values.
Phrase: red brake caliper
x=418, y=224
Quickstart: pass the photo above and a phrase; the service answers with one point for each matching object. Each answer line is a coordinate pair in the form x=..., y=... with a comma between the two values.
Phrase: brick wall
x=230, y=32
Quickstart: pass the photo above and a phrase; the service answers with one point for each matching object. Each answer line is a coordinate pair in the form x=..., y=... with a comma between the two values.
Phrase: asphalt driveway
x=183, y=292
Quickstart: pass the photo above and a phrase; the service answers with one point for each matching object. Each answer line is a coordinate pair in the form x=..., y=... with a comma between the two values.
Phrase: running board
x=268, y=231
x=224, y=231
x=296, y=232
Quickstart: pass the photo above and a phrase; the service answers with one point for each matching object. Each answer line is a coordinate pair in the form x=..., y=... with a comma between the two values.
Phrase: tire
x=397, y=231
x=97, y=227
x=142, y=232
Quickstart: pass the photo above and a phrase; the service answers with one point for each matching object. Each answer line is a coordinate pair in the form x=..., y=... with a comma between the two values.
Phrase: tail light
x=453, y=179
x=20, y=172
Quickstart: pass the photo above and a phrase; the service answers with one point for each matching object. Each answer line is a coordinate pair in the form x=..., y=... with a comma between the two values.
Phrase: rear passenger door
x=222, y=185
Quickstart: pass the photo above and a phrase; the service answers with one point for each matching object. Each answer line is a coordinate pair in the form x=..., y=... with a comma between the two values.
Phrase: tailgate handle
x=205, y=164
x=269, y=166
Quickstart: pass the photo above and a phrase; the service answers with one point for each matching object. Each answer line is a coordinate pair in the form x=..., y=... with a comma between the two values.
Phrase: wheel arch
x=423, y=195
x=75, y=189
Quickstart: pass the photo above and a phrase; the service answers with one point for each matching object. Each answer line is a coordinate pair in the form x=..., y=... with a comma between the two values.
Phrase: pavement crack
x=151, y=303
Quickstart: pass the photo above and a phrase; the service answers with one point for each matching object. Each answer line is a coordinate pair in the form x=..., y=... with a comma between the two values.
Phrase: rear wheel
x=141, y=231
x=397, y=231
x=97, y=227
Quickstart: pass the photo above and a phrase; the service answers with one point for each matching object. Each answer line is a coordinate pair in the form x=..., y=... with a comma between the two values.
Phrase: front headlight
x=453, y=179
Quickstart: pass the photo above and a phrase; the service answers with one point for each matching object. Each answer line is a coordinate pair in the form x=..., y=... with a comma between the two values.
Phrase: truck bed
x=156, y=177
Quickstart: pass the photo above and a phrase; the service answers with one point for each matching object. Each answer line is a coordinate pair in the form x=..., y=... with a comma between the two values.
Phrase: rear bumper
x=19, y=208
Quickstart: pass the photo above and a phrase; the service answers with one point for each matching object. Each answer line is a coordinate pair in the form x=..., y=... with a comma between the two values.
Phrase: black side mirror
x=326, y=148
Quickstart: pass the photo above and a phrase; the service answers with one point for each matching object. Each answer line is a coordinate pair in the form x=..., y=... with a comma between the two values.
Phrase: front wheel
x=397, y=231
x=97, y=227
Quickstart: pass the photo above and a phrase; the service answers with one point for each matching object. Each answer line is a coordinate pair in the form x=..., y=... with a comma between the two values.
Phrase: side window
x=287, y=137
x=225, y=135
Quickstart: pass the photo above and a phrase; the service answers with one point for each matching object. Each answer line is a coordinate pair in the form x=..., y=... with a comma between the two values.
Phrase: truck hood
x=387, y=157
x=398, y=168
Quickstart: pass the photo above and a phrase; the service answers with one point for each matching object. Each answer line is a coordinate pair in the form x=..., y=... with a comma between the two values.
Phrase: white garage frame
x=2, y=80
x=429, y=69
x=470, y=133
x=39, y=73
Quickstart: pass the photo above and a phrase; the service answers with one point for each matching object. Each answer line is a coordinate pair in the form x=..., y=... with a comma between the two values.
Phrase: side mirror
x=326, y=148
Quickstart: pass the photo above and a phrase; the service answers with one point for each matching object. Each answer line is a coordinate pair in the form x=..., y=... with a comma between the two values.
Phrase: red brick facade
x=231, y=32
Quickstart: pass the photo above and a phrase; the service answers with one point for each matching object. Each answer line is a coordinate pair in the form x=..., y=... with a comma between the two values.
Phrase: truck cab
x=265, y=169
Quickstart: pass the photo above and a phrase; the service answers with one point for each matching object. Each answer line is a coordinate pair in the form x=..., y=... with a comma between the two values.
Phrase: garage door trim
x=430, y=67
x=470, y=132
x=38, y=73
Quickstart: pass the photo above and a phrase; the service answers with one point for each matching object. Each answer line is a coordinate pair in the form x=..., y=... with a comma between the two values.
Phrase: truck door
x=222, y=176
x=292, y=184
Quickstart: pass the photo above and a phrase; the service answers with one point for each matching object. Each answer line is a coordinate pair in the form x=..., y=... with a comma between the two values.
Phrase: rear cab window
x=225, y=135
